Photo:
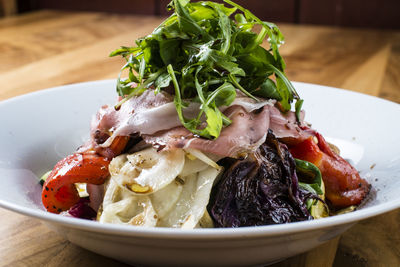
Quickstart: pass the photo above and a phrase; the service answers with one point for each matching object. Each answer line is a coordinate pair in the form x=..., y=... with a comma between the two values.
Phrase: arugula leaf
x=223, y=95
x=298, y=106
x=124, y=51
x=312, y=174
x=207, y=51
x=268, y=90
x=213, y=114
x=162, y=81
x=187, y=23
x=169, y=50
x=214, y=122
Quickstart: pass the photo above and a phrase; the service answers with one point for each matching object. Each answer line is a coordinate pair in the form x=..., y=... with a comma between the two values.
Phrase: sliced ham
x=154, y=118
x=142, y=114
x=145, y=114
x=250, y=104
x=246, y=132
x=286, y=128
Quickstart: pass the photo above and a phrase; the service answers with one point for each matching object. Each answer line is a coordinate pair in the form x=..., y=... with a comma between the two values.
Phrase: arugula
x=310, y=179
x=311, y=173
x=206, y=51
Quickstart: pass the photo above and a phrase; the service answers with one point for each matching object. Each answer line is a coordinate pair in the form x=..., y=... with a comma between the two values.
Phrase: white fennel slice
x=180, y=204
x=121, y=207
x=192, y=204
x=147, y=171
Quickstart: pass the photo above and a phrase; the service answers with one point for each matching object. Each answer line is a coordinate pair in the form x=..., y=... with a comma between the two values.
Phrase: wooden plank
x=323, y=255
x=373, y=242
x=28, y=18
x=331, y=56
x=64, y=67
x=367, y=78
x=27, y=242
x=66, y=31
x=391, y=81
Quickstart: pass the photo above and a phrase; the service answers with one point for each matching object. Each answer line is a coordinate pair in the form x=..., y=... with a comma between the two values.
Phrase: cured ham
x=245, y=134
x=147, y=114
x=150, y=113
x=154, y=117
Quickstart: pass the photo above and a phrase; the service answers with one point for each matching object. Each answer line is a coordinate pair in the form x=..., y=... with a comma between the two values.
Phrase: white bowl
x=40, y=128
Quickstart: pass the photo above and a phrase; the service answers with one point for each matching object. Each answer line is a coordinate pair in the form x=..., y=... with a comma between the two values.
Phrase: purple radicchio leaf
x=82, y=210
x=261, y=189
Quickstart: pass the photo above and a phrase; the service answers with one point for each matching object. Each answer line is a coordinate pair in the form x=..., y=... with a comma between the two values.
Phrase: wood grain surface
x=50, y=48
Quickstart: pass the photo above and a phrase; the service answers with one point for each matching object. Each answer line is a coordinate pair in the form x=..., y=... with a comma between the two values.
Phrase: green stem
x=225, y=120
x=139, y=89
x=238, y=86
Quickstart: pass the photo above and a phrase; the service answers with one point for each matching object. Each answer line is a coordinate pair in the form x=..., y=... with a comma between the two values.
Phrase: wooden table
x=50, y=48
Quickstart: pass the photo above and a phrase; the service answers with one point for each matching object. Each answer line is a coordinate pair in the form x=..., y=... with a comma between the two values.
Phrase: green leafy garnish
x=311, y=176
x=204, y=53
x=310, y=179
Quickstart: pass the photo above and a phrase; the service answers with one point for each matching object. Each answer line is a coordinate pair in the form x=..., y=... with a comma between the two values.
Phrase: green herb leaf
x=310, y=175
x=298, y=106
x=208, y=55
x=187, y=23
x=268, y=90
x=162, y=81
x=169, y=50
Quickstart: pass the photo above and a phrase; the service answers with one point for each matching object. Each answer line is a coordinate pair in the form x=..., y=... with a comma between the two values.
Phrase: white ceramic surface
x=40, y=128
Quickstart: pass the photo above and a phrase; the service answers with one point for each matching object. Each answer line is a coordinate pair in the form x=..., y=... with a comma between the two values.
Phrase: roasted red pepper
x=307, y=150
x=59, y=191
x=344, y=186
x=117, y=146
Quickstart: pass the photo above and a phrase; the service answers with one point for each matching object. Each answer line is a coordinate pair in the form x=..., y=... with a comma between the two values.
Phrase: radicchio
x=82, y=210
x=260, y=189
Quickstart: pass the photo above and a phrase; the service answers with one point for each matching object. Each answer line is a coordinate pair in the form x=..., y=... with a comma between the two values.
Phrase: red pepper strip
x=59, y=192
x=117, y=146
x=344, y=186
x=308, y=151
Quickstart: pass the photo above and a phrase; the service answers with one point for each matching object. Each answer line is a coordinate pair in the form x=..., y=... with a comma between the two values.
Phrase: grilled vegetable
x=261, y=189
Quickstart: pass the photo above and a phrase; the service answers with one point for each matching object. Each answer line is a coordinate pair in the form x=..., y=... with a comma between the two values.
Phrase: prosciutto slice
x=144, y=114
x=150, y=113
x=246, y=133
x=154, y=118
x=286, y=128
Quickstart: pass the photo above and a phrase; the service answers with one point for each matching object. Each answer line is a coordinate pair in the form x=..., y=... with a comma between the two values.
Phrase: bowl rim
x=200, y=234
x=207, y=233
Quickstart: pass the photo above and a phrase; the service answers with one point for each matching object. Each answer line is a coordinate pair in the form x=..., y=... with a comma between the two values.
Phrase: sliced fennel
x=147, y=171
x=192, y=204
x=181, y=203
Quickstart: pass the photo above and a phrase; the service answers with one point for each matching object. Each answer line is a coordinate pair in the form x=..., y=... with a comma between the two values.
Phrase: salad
x=207, y=131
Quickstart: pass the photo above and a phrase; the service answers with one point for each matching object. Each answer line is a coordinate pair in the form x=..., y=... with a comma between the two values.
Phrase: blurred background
x=352, y=13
